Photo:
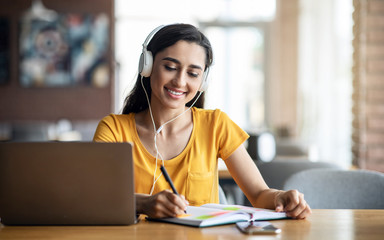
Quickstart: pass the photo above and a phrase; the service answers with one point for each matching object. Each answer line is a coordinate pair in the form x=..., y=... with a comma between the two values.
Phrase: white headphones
x=146, y=61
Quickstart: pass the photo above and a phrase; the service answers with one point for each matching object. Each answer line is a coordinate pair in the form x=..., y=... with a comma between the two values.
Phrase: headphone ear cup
x=145, y=63
x=204, y=83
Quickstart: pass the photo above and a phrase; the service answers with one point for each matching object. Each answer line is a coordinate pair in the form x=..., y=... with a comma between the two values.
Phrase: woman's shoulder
x=117, y=119
x=208, y=114
x=113, y=128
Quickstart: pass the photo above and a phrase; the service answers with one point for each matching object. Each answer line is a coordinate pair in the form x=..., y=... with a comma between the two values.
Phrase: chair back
x=276, y=172
x=339, y=189
x=222, y=197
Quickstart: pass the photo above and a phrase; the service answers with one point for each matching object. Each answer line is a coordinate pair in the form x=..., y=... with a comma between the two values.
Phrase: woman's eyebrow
x=178, y=62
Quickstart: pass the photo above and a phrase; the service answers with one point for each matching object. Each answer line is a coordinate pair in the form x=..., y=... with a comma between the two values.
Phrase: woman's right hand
x=162, y=204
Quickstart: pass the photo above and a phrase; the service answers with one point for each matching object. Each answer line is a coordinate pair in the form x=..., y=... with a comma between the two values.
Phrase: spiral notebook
x=209, y=215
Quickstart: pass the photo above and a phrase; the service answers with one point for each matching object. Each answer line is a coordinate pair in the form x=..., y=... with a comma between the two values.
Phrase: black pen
x=162, y=168
x=165, y=173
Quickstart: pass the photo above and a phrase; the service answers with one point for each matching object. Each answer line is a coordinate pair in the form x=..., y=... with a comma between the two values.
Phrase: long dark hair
x=166, y=37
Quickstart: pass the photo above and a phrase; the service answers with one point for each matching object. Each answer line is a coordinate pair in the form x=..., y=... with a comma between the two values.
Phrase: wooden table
x=322, y=224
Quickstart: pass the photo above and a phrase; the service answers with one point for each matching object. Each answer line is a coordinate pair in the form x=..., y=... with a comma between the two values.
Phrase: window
x=325, y=78
x=238, y=84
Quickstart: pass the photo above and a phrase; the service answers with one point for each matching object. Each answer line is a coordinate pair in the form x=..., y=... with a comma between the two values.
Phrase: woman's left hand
x=293, y=203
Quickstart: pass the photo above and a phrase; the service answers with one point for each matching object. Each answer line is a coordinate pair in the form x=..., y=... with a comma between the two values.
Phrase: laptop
x=66, y=183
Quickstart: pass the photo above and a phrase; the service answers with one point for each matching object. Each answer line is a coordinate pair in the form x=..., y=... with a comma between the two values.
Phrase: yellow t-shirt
x=194, y=171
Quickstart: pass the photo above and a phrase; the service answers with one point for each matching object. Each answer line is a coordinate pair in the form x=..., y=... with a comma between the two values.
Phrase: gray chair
x=339, y=189
x=222, y=197
x=276, y=172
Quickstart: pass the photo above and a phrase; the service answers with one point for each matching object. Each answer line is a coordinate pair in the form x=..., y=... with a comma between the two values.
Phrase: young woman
x=164, y=118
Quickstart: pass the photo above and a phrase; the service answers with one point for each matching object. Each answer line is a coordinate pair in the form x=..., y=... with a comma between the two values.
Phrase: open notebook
x=219, y=214
x=66, y=183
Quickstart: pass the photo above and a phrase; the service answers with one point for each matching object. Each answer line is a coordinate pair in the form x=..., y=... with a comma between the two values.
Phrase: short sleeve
x=104, y=131
x=230, y=135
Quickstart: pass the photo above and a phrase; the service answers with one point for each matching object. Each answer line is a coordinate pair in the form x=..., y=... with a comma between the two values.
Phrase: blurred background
x=307, y=73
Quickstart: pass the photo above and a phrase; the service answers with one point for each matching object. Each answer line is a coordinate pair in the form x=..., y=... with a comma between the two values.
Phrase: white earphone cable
x=159, y=130
x=154, y=129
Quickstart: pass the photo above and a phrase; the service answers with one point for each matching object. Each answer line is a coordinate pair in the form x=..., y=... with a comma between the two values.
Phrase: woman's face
x=177, y=74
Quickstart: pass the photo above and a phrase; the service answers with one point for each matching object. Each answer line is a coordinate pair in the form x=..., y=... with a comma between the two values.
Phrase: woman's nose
x=180, y=79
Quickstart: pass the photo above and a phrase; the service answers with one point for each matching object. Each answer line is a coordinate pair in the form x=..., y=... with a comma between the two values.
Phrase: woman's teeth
x=175, y=93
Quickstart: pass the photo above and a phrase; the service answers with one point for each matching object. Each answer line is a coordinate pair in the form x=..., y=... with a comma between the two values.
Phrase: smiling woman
x=164, y=119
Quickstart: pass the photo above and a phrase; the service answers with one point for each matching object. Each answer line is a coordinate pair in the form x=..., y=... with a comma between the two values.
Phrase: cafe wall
x=56, y=63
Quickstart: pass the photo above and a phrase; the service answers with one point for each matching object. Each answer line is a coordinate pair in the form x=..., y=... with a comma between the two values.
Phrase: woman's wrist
x=277, y=195
x=140, y=202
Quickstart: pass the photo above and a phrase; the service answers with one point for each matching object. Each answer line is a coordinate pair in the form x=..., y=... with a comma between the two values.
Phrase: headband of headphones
x=146, y=60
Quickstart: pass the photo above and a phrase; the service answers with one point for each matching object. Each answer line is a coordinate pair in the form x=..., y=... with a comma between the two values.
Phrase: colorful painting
x=69, y=50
